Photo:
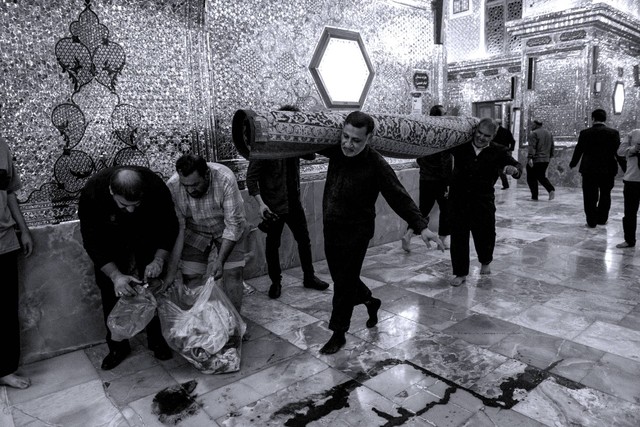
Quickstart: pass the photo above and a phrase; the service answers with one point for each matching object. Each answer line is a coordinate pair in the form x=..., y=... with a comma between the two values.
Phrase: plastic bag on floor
x=203, y=326
x=131, y=315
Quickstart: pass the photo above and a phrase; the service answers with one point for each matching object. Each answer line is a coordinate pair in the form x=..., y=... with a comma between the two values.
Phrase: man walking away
x=540, y=152
x=596, y=151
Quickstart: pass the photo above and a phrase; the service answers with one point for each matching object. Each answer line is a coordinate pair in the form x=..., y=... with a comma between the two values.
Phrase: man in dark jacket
x=504, y=137
x=596, y=151
x=541, y=148
x=435, y=173
x=128, y=225
x=476, y=166
x=275, y=184
x=357, y=174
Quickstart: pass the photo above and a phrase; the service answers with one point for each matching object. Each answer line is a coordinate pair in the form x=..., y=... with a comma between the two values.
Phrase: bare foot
x=458, y=280
x=15, y=381
x=485, y=269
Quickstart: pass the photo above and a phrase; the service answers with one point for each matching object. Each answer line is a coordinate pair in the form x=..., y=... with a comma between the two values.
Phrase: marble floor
x=551, y=338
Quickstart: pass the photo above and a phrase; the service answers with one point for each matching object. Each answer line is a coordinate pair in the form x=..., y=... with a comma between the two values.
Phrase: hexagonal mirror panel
x=341, y=68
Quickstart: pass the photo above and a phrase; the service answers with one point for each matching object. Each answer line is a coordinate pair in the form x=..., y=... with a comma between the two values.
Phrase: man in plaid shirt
x=210, y=212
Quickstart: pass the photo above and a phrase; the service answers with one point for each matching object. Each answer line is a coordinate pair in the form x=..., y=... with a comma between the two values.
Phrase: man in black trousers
x=476, y=166
x=435, y=173
x=357, y=174
x=129, y=226
x=541, y=150
x=596, y=151
x=504, y=137
x=275, y=184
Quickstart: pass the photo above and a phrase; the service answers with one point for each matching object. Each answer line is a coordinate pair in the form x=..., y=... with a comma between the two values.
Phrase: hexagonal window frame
x=339, y=33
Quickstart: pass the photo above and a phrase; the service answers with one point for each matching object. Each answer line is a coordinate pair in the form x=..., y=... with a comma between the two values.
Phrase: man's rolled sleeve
x=233, y=205
x=174, y=188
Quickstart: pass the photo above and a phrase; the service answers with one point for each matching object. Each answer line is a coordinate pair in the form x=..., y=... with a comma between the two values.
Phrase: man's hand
x=265, y=212
x=510, y=170
x=158, y=286
x=154, y=269
x=429, y=236
x=121, y=285
x=217, y=269
x=530, y=163
x=27, y=243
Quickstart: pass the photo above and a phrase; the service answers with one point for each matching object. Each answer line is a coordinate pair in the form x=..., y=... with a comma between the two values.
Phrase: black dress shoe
x=114, y=358
x=275, y=290
x=314, y=283
x=335, y=343
x=373, y=305
x=163, y=353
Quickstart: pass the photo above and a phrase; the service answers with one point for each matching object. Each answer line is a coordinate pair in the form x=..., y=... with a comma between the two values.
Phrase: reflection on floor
x=551, y=338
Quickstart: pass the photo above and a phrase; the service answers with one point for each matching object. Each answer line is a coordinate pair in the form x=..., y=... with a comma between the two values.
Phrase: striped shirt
x=219, y=213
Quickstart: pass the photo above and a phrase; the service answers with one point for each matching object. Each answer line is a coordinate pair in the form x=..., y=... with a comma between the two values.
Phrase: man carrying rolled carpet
x=476, y=166
x=357, y=174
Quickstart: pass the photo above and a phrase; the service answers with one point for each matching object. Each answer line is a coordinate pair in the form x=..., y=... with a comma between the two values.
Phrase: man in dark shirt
x=541, y=150
x=435, y=173
x=504, y=137
x=476, y=166
x=275, y=184
x=597, y=147
x=128, y=225
x=357, y=174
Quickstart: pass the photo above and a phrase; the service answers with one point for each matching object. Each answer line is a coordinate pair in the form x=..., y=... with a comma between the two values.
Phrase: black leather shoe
x=114, y=358
x=373, y=305
x=275, y=290
x=314, y=283
x=335, y=343
x=163, y=353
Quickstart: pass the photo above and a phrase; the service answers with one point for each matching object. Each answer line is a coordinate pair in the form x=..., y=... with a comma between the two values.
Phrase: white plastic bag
x=131, y=315
x=203, y=326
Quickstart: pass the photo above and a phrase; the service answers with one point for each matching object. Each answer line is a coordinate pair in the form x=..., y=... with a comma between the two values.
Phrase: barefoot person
x=10, y=215
x=477, y=165
x=357, y=174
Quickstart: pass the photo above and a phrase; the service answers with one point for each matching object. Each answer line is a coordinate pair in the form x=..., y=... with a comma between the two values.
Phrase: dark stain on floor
x=174, y=404
x=316, y=406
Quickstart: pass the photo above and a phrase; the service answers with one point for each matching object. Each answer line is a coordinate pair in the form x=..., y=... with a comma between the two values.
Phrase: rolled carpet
x=280, y=134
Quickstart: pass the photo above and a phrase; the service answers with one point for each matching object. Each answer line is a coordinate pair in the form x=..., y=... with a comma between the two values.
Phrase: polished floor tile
x=615, y=339
x=551, y=338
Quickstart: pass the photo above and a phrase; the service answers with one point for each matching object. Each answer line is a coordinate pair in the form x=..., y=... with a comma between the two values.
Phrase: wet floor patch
x=174, y=404
x=307, y=410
